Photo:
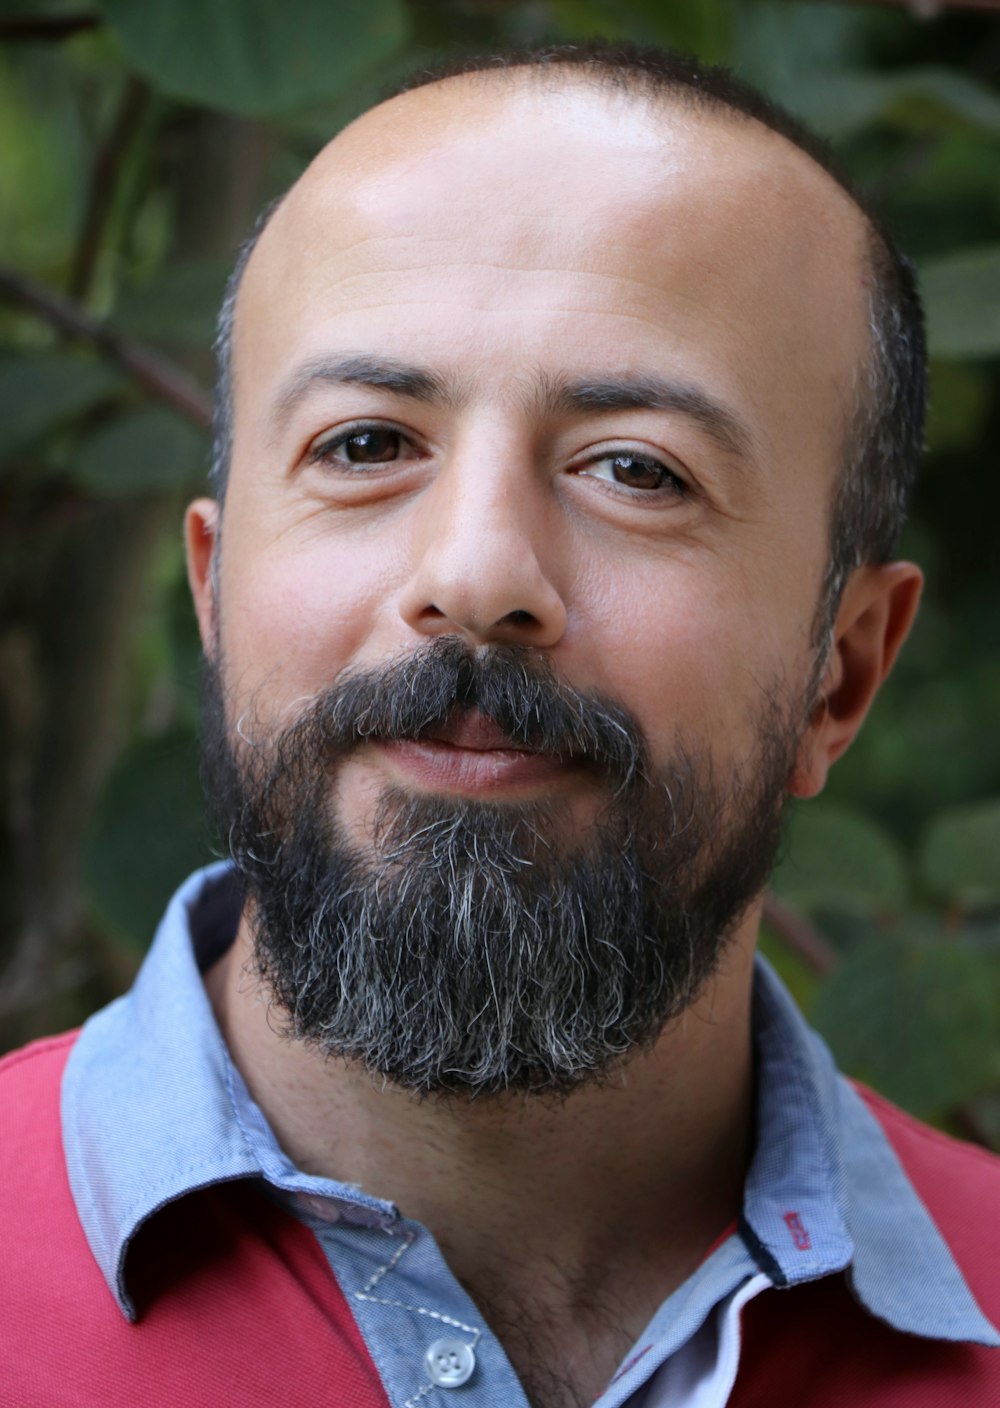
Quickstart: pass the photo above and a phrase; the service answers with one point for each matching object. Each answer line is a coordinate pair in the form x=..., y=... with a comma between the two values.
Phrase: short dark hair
x=883, y=439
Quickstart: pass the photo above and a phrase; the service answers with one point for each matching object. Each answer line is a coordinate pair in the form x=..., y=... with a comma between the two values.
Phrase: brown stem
x=798, y=934
x=72, y=601
x=104, y=183
x=48, y=27
x=160, y=378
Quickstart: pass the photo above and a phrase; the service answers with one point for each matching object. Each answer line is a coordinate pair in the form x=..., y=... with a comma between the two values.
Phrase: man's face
x=545, y=369
x=509, y=245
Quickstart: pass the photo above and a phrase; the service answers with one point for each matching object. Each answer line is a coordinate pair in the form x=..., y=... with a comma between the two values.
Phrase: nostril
x=519, y=618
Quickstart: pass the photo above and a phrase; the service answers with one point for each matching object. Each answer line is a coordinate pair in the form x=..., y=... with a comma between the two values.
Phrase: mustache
x=514, y=688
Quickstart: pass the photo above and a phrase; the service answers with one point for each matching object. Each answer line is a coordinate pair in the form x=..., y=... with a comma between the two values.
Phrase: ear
x=874, y=618
x=201, y=534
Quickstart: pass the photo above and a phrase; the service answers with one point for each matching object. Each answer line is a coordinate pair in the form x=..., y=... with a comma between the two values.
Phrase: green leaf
x=12, y=9
x=179, y=305
x=44, y=159
x=149, y=832
x=42, y=391
x=699, y=27
x=937, y=99
x=960, y=856
x=773, y=43
x=583, y=19
x=143, y=451
x=254, y=56
x=837, y=105
x=837, y=858
x=921, y=100
x=914, y=1017
x=961, y=401
x=960, y=292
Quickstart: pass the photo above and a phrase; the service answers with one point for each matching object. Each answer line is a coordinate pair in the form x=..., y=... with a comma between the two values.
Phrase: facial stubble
x=478, y=948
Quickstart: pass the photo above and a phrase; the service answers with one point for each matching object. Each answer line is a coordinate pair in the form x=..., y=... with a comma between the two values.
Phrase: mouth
x=469, y=754
x=469, y=729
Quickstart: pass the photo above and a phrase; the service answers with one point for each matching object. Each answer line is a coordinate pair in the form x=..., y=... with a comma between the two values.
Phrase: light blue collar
x=153, y=1108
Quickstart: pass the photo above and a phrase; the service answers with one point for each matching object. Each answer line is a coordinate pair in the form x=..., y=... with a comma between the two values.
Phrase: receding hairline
x=637, y=87
x=869, y=246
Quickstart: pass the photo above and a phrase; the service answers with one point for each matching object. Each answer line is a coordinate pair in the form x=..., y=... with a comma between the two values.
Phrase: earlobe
x=875, y=615
x=201, y=531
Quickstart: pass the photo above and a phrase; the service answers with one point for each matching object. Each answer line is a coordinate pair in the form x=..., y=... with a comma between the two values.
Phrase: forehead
x=494, y=225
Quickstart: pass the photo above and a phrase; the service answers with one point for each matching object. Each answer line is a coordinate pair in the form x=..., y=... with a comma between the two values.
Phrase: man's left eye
x=635, y=471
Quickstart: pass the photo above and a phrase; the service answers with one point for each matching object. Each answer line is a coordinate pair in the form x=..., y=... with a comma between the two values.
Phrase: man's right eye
x=360, y=445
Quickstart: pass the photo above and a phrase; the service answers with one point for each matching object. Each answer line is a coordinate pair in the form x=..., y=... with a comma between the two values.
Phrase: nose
x=484, y=559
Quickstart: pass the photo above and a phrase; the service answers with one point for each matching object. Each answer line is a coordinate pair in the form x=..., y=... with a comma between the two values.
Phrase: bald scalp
x=882, y=434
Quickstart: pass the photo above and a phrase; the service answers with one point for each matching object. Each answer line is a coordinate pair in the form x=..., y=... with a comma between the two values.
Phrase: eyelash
x=325, y=453
x=674, y=487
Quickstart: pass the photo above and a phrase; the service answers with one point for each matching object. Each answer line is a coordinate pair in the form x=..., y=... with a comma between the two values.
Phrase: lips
x=471, y=755
x=470, y=729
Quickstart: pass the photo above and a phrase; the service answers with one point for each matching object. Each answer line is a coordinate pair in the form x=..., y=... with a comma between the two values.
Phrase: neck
x=649, y=1165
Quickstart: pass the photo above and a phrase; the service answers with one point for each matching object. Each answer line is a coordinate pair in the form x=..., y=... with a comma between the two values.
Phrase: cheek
x=688, y=649
x=294, y=615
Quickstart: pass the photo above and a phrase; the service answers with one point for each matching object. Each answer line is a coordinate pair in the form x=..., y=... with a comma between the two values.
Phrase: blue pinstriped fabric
x=154, y=1108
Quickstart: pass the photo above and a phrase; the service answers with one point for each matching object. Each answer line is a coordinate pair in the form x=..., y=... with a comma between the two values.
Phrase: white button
x=450, y=1363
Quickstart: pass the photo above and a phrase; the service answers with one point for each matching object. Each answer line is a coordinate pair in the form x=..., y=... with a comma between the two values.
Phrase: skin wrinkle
x=528, y=270
x=570, y=311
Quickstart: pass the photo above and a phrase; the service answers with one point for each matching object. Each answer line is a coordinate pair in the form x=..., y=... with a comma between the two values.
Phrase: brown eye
x=644, y=474
x=636, y=472
x=372, y=446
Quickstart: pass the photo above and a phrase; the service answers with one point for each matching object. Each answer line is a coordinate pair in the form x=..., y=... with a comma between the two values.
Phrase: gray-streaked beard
x=479, y=948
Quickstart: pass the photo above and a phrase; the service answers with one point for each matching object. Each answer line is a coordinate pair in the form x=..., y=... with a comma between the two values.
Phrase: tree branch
x=104, y=183
x=798, y=934
x=160, y=378
x=48, y=27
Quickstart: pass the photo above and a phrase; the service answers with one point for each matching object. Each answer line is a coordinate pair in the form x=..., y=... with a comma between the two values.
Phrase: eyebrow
x=380, y=373
x=553, y=395
x=725, y=427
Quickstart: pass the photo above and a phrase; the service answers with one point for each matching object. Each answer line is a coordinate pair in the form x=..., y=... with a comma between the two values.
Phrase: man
x=567, y=415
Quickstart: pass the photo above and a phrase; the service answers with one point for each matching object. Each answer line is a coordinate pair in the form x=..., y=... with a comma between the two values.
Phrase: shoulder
x=49, y=1274
x=33, y=1180
x=947, y=1169
x=214, y=1272
x=34, y=1061
x=959, y=1185
x=32, y=1166
x=818, y=1344
x=30, y=1081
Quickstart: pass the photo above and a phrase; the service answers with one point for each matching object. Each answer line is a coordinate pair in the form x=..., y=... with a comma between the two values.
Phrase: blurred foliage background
x=137, y=141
